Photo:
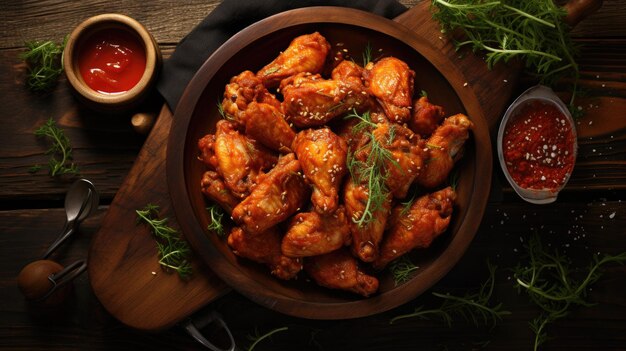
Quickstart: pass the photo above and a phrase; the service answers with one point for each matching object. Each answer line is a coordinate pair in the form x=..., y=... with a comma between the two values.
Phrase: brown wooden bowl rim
x=91, y=25
x=255, y=290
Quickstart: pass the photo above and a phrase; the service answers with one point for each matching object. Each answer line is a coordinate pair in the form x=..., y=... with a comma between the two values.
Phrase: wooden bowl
x=115, y=101
x=257, y=45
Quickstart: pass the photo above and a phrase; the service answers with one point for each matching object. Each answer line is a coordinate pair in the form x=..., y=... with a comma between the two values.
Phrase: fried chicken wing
x=306, y=53
x=391, y=81
x=348, y=70
x=322, y=155
x=279, y=194
x=426, y=117
x=407, y=155
x=264, y=248
x=340, y=270
x=242, y=90
x=312, y=234
x=417, y=227
x=445, y=145
x=213, y=187
x=312, y=101
x=266, y=124
x=366, y=238
x=240, y=159
x=206, y=146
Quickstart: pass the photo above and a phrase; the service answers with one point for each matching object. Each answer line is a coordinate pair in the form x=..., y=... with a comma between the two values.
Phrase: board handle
x=577, y=10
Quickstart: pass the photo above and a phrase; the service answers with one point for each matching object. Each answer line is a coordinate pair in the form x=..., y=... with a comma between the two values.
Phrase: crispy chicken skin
x=348, y=71
x=264, y=248
x=240, y=159
x=427, y=218
x=206, y=146
x=322, y=155
x=242, y=90
x=266, y=124
x=366, y=238
x=340, y=270
x=306, y=53
x=391, y=81
x=426, y=117
x=445, y=145
x=213, y=187
x=311, y=234
x=408, y=153
x=278, y=195
x=312, y=101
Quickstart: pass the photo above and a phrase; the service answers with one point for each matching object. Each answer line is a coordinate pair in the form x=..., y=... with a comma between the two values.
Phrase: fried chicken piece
x=426, y=117
x=391, y=81
x=340, y=270
x=306, y=53
x=213, y=187
x=311, y=234
x=206, y=146
x=417, y=227
x=240, y=159
x=242, y=90
x=407, y=155
x=279, y=194
x=266, y=124
x=322, y=155
x=312, y=101
x=264, y=248
x=366, y=238
x=348, y=70
x=445, y=145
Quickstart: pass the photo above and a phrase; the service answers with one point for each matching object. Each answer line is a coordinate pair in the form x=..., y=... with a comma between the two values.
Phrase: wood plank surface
x=589, y=217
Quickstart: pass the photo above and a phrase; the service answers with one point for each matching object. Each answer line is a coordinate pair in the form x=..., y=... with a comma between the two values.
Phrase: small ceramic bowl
x=545, y=95
x=102, y=24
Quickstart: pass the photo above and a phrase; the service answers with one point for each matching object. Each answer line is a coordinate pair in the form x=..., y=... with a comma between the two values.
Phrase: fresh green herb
x=401, y=269
x=258, y=338
x=474, y=307
x=60, y=147
x=372, y=171
x=216, y=213
x=44, y=59
x=220, y=109
x=367, y=54
x=453, y=178
x=550, y=283
x=35, y=169
x=271, y=70
x=174, y=251
x=530, y=29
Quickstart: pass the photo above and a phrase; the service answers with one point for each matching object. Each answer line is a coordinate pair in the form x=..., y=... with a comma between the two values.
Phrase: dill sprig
x=529, y=29
x=258, y=338
x=60, y=148
x=217, y=213
x=550, y=282
x=401, y=269
x=367, y=54
x=370, y=172
x=473, y=307
x=44, y=60
x=220, y=110
x=174, y=251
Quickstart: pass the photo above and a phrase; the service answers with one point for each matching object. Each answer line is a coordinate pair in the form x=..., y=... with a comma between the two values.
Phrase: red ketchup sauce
x=538, y=146
x=112, y=61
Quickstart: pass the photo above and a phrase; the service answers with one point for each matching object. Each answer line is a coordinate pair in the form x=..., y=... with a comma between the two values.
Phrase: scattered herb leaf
x=550, y=282
x=60, y=147
x=401, y=269
x=220, y=109
x=35, y=169
x=217, y=213
x=174, y=251
x=44, y=59
x=367, y=54
x=473, y=307
x=258, y=338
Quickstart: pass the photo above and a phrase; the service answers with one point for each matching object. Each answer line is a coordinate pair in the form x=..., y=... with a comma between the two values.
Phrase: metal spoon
x=82, y=198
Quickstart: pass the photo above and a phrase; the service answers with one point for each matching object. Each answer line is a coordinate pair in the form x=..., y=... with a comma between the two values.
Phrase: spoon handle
x=61, y=239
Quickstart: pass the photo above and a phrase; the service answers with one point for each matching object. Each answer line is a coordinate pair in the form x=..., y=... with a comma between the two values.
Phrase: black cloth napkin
x=226, y=20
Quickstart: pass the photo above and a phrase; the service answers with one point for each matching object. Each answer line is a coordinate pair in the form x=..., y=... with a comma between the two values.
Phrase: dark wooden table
x=589, y=217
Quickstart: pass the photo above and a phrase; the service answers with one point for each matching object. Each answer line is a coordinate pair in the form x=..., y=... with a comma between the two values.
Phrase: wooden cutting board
x=123, y=267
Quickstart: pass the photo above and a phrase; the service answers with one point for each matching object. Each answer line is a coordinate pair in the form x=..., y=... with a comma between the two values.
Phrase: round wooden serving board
x=123, y=255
